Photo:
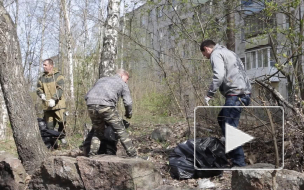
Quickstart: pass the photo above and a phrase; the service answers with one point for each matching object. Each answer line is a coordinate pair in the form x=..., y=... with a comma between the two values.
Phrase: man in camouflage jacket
x=50, y=90
x=102, y=101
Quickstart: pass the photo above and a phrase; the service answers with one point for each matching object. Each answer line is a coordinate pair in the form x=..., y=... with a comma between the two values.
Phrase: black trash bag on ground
x=49, y=137
x=210, y=153
x=108, y=145
x=109, y=132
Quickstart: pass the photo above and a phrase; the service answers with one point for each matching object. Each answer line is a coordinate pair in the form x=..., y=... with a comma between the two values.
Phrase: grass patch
x=9, y=146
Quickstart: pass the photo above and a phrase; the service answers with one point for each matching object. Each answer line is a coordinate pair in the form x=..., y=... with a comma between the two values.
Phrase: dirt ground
x=158, y=152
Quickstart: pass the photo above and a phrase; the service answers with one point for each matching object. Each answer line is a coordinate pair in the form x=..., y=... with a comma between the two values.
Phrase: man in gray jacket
x=102, y=101
x=230, y=78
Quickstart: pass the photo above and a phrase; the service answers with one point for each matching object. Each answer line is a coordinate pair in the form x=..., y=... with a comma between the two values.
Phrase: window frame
x=263, y=65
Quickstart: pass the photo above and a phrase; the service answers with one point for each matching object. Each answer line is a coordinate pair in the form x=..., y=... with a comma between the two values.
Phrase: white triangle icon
x=235, y=138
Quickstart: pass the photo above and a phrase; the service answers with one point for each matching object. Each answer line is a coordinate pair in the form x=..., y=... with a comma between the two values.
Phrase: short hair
x=122, y=72
x=207, y=43
x=50, y=61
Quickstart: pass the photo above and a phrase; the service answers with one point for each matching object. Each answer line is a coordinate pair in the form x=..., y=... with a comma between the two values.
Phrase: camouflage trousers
x=101, y=115
x=52, y=117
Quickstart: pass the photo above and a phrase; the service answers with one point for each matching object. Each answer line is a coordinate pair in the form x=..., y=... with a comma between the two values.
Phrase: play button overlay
x=235, y=138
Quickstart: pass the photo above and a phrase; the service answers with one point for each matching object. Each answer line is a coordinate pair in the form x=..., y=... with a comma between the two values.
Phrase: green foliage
x=157, y=103
x=271, y=8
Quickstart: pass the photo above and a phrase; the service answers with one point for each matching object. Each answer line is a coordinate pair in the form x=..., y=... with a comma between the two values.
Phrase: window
x=248, y=61
x=272, y=59
x=256, y=20
x=265, y=57
x=253, y=59
x=259, y=58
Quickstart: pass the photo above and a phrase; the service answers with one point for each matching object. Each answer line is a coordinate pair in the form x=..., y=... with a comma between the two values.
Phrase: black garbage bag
x=108, y=145
x=49, y=137
x=210, y=153
x=109, y=132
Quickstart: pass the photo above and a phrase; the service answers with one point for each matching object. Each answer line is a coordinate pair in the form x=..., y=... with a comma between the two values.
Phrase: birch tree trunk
x=42, y=39
x=122, y=36
x=69, y=46
x=108, y=56
x=101, y=29
x=3, y=116
x=30, y=147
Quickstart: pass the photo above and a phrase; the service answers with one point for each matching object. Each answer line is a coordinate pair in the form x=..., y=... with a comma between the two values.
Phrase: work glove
x=126, y=123
x=128, y=111
x=42, y=96
x=51, y=103
x=207, y=100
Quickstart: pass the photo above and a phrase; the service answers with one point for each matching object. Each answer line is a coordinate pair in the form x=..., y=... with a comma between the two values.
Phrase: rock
x=161, y=134
x=169, y=187
x=12, y=173
x=59, y=173
x=112, y=172
x=262, y=179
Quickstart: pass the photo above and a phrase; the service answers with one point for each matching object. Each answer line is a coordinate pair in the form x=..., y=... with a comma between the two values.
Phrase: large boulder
x=115, y=173
x=12, y=173
x=57, y=173
x=161, y=134
x=262, y=179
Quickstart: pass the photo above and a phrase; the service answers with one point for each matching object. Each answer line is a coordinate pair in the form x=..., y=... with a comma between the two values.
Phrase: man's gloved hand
x=128, y=111
x=42, y=96
x=128, y=115
x=51, y=103
x=207, y=98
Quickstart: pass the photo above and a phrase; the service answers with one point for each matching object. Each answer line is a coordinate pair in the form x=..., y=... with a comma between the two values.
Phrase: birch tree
x=30, y=147
x=101, y=29
x=3, y=116
x=108, y=56
x=69, y=47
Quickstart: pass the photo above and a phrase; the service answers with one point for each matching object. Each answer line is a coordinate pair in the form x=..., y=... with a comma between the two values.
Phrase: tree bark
x=30, y=147
x=3, y=116
x=101, y=29
x=69, y=46
x=108, y=56
x=122, y=36
x=230, y=25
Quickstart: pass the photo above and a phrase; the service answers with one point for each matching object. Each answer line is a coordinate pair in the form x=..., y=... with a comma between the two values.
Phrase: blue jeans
x=232, y=117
